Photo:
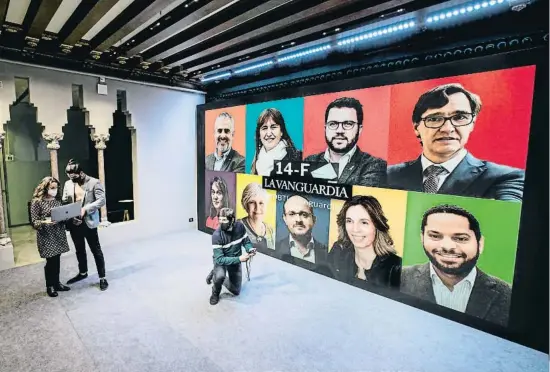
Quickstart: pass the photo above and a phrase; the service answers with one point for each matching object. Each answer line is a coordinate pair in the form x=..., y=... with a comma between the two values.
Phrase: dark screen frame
x=528, y=322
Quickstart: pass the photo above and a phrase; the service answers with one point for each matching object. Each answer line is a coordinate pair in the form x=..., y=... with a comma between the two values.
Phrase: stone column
x=6, y=246
x=53, y=145
x=101, y=144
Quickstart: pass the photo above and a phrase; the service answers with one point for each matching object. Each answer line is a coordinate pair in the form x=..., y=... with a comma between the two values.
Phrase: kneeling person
x=227, y=242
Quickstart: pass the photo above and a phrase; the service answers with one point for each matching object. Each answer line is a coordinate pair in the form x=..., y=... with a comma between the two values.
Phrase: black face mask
x=226, y=226
x=78, y=179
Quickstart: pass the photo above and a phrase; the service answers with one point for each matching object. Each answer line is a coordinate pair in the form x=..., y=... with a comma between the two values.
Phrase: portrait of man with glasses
x=443, y=119
x=343, y=161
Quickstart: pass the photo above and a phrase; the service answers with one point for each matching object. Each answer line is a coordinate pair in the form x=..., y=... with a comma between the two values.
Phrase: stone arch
x=119, y=169
x=76, y=135
x=26, y=157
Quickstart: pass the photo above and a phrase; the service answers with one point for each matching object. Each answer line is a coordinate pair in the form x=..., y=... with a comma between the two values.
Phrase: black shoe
x=214, y=299
x=61, y=288
x=77, y=278
x=209, y=277
x=51, y=292
x=103, y=285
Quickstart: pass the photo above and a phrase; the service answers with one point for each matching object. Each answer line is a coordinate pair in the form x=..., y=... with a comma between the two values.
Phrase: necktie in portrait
x=432, y=173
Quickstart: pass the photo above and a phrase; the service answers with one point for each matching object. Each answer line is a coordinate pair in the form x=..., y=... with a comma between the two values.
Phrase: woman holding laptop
x=50, y=236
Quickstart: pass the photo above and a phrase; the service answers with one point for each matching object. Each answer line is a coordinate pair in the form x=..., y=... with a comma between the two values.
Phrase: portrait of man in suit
x=452, y=240
x=443, y=120
x=225, y=158
x=299, y=218
x=343, y=161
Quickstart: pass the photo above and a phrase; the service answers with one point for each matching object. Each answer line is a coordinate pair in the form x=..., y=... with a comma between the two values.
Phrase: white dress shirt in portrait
x=295, y=252
x=344, y=160
x=220, y=159
x=456, y=299
x=449, y=166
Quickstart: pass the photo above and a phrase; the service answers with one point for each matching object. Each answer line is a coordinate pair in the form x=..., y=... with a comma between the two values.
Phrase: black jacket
x=233, y=163
x=385, y=270
x=472, y=177
x=362, y=170
x=490, y=298
x=282, y=252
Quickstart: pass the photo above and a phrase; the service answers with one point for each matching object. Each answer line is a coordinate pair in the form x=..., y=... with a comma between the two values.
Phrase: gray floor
x=156, y=317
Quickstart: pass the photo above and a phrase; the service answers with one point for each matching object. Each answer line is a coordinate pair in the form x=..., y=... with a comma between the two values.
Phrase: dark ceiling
x=177, y=42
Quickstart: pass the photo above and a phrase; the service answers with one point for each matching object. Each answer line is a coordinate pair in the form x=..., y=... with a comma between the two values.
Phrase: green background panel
x=498, y=220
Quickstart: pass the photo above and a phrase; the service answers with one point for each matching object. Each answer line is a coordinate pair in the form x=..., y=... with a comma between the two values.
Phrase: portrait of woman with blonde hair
x=254, y=201
x=273, y=143
x=364, y=250
x=51, y=237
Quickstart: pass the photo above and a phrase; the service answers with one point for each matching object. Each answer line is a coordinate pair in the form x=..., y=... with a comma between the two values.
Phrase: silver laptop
x=66, y=212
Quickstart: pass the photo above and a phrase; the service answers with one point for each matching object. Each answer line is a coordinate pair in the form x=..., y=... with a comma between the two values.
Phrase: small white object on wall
x=102, y=89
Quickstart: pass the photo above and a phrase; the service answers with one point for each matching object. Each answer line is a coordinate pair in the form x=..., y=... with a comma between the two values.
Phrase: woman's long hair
x=277, y=117
x=42, y=189
x=225, y=195
x=383, y=242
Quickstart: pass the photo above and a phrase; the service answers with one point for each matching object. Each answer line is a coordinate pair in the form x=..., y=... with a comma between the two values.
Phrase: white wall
x=165, y=141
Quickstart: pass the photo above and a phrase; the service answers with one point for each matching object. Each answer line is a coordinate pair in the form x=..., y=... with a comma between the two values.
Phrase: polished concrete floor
x=156, y=317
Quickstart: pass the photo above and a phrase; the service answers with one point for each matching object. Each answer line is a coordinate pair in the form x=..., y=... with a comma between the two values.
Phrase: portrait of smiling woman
x=273, y=143
x=255, y=202
x=219, y=198
x=364, y=250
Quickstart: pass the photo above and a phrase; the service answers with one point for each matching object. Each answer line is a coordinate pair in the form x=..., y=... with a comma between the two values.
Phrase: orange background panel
x=239, y=115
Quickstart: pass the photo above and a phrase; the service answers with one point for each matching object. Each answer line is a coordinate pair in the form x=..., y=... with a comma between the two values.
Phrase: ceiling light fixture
x=376, y=33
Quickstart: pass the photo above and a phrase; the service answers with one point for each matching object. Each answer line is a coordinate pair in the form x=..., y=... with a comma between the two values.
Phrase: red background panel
x=501, y=131
x=376, y=115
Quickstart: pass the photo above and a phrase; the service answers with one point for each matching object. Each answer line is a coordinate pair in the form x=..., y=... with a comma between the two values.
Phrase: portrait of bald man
x=225, y=158
x=443, y=119
x=299, y=218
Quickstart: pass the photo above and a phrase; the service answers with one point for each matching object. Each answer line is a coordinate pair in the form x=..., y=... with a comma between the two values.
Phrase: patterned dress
x=51, y=238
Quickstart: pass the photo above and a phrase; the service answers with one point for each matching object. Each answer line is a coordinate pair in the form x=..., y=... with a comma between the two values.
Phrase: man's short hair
x=439, y=97
x=226, y=115
x=228, y=213
x=73, y=166
x=347, y=102
x=456, y=210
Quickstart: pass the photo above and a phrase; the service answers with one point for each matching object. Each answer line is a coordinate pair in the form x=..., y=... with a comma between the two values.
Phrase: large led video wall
x=415, y=188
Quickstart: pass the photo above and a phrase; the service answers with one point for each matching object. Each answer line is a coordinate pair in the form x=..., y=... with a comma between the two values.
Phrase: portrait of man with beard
x=343, y=161
x=300, y=246
x=452, y=241
x=225, y=158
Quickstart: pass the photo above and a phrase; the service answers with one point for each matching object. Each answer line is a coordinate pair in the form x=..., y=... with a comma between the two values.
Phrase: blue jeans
x=232, y=281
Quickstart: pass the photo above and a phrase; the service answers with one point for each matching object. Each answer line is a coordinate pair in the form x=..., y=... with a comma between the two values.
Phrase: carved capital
x=53, y=140
x=100, y=141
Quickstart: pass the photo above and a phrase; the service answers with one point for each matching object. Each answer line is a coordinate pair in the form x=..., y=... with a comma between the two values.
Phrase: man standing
x=299, y=219
x=227, y=242
x=347, y=164
x=453, y=242
x=443, y=121
x=90, y=193
x=225, y=158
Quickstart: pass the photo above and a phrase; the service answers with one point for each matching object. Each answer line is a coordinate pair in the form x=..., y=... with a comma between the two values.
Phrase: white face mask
x=52, y=193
